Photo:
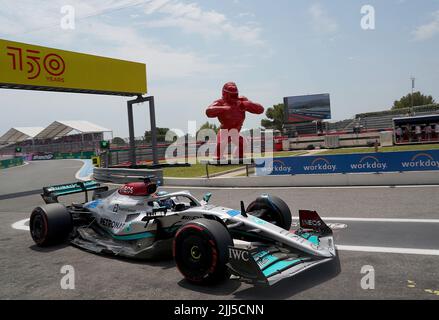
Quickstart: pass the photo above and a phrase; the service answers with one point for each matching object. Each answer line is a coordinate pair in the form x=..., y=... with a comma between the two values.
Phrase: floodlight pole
x=130, y=104
x=413, y=91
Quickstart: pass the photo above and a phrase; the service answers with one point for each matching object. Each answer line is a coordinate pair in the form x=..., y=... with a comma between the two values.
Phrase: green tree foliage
x=419, y=99
x=209, y=125
x=118, y=141
x=275, y=117
x=161, y=134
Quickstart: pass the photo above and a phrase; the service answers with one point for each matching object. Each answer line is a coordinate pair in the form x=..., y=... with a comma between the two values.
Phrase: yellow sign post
x=96, y=161
x=31, y=67
x=25, y=66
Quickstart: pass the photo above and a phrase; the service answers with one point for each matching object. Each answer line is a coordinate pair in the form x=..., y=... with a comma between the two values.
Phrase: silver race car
x=208, y=242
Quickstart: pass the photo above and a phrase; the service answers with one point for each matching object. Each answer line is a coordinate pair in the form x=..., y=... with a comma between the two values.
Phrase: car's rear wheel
x=271, y=209
x=201, y=250
x=50, y=224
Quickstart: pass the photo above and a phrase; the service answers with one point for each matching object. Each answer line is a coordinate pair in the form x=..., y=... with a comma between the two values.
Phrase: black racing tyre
x=272, y=209
x=201, y=251
x=50, y=224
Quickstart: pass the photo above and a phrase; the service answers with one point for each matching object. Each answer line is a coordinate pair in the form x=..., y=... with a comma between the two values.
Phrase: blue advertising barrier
x=350, y=163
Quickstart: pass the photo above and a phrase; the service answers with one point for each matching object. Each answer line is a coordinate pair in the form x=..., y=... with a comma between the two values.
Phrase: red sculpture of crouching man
x=230, y=111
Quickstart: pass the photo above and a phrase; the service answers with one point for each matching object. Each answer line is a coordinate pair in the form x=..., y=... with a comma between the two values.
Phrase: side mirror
x=207, y=197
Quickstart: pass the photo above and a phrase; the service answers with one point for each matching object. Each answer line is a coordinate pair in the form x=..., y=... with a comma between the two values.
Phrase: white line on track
x=378, y=220
x=426, y=252
x=21, y=225
x=288, y=188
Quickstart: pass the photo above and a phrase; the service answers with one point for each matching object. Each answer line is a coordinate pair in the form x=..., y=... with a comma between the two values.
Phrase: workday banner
x=350, y=163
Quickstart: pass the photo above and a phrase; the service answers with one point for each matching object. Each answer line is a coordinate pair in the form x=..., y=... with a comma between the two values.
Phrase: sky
x=271, y=49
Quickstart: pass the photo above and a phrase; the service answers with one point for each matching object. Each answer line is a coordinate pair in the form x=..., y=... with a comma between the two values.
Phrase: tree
x=209, y=125
x=118, y=141
x=161, y=134
x=275, y=117
x=419, y=99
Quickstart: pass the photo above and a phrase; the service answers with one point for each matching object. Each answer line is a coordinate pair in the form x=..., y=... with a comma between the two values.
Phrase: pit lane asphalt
x=29, y=272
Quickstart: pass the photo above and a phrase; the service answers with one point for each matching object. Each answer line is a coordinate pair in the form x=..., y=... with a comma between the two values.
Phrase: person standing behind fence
x=398, y=133
x=428, y=132
x=436, y=131
x=418, y=132
x=406, y=133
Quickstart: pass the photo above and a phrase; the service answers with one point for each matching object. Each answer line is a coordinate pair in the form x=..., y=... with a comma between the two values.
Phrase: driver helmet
x=168, y=203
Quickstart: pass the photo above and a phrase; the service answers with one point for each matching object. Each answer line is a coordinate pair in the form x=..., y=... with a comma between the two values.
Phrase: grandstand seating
x=377, y=123
x=343, y=125
x=381, y=120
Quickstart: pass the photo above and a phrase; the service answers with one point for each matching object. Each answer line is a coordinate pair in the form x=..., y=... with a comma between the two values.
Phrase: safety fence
x=351, y=163
x=59, y=155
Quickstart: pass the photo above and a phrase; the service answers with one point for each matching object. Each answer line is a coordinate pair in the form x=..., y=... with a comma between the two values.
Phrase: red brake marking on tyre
x=188, y=227
x=174, y=249
x=45, y=229
x=214, y=256
x=213, y=247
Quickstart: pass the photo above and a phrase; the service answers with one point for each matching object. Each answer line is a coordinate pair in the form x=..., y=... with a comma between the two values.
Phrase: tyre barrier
x=121, y=176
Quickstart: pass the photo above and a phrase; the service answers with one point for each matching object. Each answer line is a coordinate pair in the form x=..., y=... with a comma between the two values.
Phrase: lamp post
x=413, y=89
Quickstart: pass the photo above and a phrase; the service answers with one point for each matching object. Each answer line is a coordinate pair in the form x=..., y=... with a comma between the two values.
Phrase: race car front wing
x=267, y=266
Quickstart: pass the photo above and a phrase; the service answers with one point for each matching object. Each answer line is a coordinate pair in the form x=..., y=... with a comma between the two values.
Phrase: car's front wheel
x=50, y=224
x=201, y=249
x=272, y=209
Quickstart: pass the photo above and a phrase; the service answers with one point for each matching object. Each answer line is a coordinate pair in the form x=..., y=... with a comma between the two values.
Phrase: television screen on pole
x=307, y=108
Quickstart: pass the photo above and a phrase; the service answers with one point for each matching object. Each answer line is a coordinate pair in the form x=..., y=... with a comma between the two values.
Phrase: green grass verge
x=288, y=153
x=199, y=170
x=383, y=149
x=196, y=170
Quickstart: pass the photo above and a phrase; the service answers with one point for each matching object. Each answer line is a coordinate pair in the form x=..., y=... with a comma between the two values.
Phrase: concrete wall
x=322, y=180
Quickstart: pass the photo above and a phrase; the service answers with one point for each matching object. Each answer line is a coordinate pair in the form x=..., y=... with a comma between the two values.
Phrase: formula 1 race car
x=208, y=242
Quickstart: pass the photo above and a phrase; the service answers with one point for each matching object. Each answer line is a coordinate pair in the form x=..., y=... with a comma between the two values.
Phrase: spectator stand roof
x=62, y=128
x=19, y=134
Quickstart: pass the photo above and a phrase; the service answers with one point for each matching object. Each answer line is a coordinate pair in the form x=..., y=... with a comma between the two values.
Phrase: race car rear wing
x=50, y=194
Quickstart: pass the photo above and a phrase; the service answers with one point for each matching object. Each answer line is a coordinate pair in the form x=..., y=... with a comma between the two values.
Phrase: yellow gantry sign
x=25, y=66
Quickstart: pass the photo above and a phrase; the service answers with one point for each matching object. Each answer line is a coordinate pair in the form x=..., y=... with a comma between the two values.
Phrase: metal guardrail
x=248, y=163
x=126, y=175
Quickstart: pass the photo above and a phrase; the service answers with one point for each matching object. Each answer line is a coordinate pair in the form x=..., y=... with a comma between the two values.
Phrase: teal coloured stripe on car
x=279, y=266
x=314, y=239
x=72, y=186
x=260, y=254
x=142, y=235
x=136, y=236
x=265, y=259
